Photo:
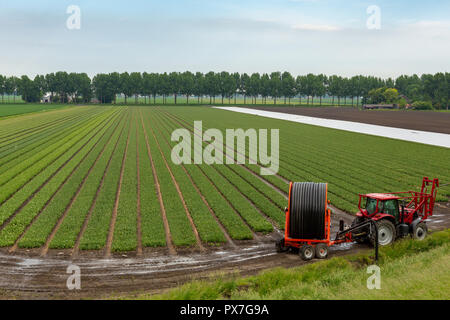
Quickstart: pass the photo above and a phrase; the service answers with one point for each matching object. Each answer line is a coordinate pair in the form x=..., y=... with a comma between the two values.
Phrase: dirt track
x=414, y=120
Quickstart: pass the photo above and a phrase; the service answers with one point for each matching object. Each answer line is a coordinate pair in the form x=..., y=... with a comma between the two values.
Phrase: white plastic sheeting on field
x=425, y=137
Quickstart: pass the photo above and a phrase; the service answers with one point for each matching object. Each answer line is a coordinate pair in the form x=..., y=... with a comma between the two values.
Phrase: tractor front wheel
x=386, y=233
x=420, y=231
x=306, y=252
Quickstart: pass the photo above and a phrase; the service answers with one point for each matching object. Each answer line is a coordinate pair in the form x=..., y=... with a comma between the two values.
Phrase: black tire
x=321, y=251
x=307, y=252
x=279, y=245
x=386, y=233
x=420, y=231
x=359, y=239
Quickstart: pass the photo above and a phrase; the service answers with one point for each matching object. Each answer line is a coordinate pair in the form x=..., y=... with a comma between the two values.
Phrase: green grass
x=409, y=270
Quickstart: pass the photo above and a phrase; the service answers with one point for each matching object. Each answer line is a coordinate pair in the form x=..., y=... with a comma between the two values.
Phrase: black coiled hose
x=307, y=211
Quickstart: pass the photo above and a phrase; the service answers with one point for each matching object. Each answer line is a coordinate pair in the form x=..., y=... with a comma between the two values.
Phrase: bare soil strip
x=15, y=245
x=76, y=247
x=180, y=195
x=169, y=242
x=46, y=181
x=116, y=204
x=139, y=218
x=74, y=198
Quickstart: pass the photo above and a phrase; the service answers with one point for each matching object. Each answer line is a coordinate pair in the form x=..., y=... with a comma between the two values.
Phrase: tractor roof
x=382, y=196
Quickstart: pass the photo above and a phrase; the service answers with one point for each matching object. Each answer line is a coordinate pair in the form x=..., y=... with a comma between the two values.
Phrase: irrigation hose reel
x=308, y=222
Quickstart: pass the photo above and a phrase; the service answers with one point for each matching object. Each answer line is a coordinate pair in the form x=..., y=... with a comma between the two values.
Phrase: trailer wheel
x=307, y=252
x=386, y=233
x=420, y=231
x=321, y=251
x=280, y=246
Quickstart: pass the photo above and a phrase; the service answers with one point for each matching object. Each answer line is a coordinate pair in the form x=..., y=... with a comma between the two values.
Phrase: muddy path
x=26, y=275
x=414, y=120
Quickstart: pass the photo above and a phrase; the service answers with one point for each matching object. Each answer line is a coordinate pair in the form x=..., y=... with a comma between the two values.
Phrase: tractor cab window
x=371, y=205
x=391, y=207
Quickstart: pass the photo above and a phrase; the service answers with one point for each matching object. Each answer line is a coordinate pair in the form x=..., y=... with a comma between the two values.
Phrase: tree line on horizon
x=66, y=87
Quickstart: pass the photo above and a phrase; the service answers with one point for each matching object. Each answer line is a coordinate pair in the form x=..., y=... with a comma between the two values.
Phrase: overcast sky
x=300, y=36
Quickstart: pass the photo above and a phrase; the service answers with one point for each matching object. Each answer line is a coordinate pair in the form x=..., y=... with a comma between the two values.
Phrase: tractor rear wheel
x=386, y=233
x=321, y=251
x=306, y=252
x=420, y=231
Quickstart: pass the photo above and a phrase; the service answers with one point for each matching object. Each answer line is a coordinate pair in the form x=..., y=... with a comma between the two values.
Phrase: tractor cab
x=379, y=204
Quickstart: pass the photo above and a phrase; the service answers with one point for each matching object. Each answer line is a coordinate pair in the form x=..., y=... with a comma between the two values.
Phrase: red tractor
x=396, y=214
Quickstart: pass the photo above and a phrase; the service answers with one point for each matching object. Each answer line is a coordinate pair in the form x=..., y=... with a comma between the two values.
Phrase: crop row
x=125, y=230
x=20, y=197
x=17, y=139
x=231, y=221
x=20, y=142
x=28, y=212
x=96, y=233
x=29, y=123
x=180, y=229
x=234, y=197
x=256, y=195
x=39, y=231
x=13, y=179
x=70, y=227
x=28, y=148
x=299, y=162
x=152, y=226
x=207, y=227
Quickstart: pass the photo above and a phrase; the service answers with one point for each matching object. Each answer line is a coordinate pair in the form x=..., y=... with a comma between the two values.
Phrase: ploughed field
x=102, y=178
x=415, y=120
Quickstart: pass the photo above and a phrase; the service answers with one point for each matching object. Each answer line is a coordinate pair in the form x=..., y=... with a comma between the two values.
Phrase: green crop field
x=102, y=178
x=13, y=109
